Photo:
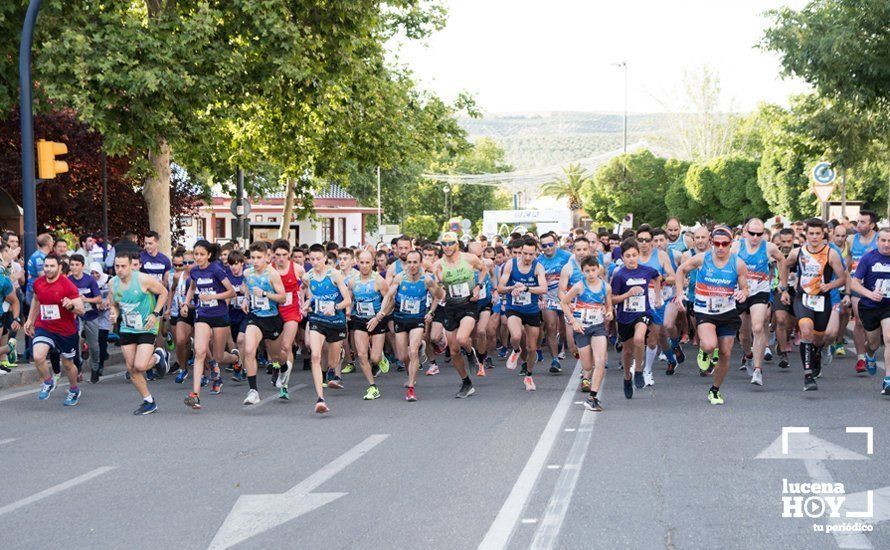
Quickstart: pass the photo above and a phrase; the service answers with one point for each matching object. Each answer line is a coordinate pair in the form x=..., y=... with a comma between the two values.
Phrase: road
x=504, y=468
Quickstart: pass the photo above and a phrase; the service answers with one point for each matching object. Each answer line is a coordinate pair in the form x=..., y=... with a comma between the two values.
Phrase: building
x=339, y=219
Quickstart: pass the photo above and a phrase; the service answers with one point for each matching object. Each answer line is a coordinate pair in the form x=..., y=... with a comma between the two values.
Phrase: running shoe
x=529, y=384
x=885, y=388
x=12, y=356
x=639, y=381
x=400, y=367
x=502, y=352
x=827, y=356
x=524, y=370
x=628, y=388
x=513, y=360
x=46, y=389
x=253, y=398
x=489, y=362
x=757, y=377
x=585, y=385
x=94, y=377
x=336, y=383
x=619, y=346
x=767, y=354
x=481, y=370
x=648, y=379
x=715, y=356
x=440, y=347
x=73, y=398
x=433, y=369
x=703, y=361
x=783, y=362
x=679, y=354
x=146, y=408
x=466, y=390
x=809, y=383
x=409, y=394
x=860, y=366
x=662, y=357
x=472, y=357
x=745, y=360
x=149, y=375
x=329, y=375
x=715, y=397
x=561, y=355
x=871, y=364
x=348, y=369
x=161, y=365
x=540, y=356
x=171, y=344
x=216, y=385
x=372, y=393
x=841, y=351
x=193, y=401
x=204, y=381
x=555, y=367
x=671, y=368
x=593, y=404
x=321, y=407
x=284, y=377
x=181, y=376
x=283, y=394
x=710, y=370
x=384, y=364
x=239, y=376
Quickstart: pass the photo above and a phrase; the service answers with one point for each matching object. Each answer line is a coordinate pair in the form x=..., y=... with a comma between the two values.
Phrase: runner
x=435, y=333
x=265, y=291
x=864, y=240
x=210, y=285
x=367, y=323
x=588, y=304
x=328, y=299
x=12, y=321
x=137, y=301
x=237, y=317
x=523, y=282
x=658, y=260
x=52, y=326
x=783, y=312
x=553, y=259
x=721, y=282
x=757, y=254
x=458, y=273
x=183, y=325
x=291, y=314
x=412, y=298
x=669, y=338
x=871, y=281
x=814, y=262
x=88, y=289
x=484, y=305
x=157, y=265
x=677, y=239
x=571, y=274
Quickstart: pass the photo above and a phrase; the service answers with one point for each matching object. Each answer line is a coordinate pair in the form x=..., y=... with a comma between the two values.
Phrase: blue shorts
x=658, y=315
x=66, y=346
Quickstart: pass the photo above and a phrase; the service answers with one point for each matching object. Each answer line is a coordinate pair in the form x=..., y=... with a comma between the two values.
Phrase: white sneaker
x=827, y=356
x=662, y=357
x=562, y=355
x=432, y=370
x=648, y=379
x=284, y=377
x=253, y=398
x=767, y=354
x=513, y=360
x=757, y=378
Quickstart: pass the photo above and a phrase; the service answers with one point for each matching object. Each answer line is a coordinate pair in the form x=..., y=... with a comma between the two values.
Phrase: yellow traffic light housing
x=47, y=165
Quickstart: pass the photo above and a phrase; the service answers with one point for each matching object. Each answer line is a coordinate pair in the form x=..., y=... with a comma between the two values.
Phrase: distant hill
x=542, y=139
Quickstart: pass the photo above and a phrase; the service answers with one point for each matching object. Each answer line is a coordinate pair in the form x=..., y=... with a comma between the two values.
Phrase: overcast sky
x=557, y=55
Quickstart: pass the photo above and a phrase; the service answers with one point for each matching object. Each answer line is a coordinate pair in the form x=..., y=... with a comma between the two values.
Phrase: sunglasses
x=644, y=240
x=191, y=262
x=722, y=244
x=448, y=243
x=548, y=245
x=753, y=234
x=178, y=266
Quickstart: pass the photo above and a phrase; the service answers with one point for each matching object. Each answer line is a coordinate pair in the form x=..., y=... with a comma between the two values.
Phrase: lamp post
x=447, y=189
x=623, y=65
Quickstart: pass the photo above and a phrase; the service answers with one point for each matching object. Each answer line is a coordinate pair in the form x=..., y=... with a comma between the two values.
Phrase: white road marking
x=55, y=489
x=569, y=430
x=33, y=391
x=501, y=530
x=553, y=466
x=5, y=441
x=274, y=397
x=255, y=514
x=529, y=520
x=819, y=473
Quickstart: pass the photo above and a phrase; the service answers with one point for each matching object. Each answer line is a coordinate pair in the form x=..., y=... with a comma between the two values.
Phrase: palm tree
x=569, y=187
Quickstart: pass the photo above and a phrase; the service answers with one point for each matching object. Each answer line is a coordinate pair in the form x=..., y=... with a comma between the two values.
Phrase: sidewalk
x=26, y=373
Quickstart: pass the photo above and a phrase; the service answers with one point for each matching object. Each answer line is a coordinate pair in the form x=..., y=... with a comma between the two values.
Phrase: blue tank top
x=690, y=284
x=679, y=245
x=714, y=286
x=325, y=297
x=576, y=275
x=590, y=306
x=758, y=267
x=398, y=267
x=553, y=267
x=526, y=302
x=836, y=293
x=667, y=291
x=259, y=305
x=484, y=292
x=366, y=297
x=858, y=249
x=411, y=299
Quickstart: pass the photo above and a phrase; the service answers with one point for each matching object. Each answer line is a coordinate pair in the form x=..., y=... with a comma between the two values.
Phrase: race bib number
x=591, y=316
x=883, y=286
x=410, y=306
x=815, y=303
x=240, y=301
x=552, y=304
x=523, y=299
x=325, y=307
x=365, y=309
x=483, y=292
x=720, y=304
x=288, y=299
x=652, y=294
x=133, y=320
x=259, y=302
x=635, y=304
x=49, y=312
x=667, y=292
x=208, y=303
x=757, y=283
x=461, y=290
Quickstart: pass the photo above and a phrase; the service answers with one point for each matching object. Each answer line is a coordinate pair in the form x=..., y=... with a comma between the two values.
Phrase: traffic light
x=47, y=165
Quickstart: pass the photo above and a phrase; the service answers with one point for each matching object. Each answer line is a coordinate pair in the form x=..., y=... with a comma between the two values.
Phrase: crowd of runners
x=215, y=312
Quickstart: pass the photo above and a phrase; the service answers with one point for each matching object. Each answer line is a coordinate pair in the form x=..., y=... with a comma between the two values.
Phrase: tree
x=728, y=186
x=676, y=199
x=421, y=226
x=609, y=196
x=568, y=187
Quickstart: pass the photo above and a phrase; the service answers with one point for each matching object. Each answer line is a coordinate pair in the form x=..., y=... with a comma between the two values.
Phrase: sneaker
x=767, y=354
x=12, y=356
x=639, y=381
x=216, y=385
x=204, y=381
x=871, y=365
x=410, y=395
x=329, y=375
x=662, y=357
x=161, y=366
x=710, y=370
x=46, y=389
x=529, y=384
x=860, y=366
x=502, y=352
x=481, y=370
x=466, y=390
x=783, y=362
x=94, y=377
x=540, y=356
x=150, y=375
x=372, y=393
x=146, y=408
x=336, y=383
x=619, y=346
x=401, y=368
x=672, y=367
x=239, y=376
x=885, y=387
x=193, y=401
x=72, y=398
x=679, y=354
x=841, y=351
x=433, y=369
x=715, y=397
x=628, y=388
x=757, y=378
x=703, y=361
x=283, y=377
x=585, y=385
x=809, y=383
x=513, y=360
x=648, y=379
x=321, y=407
x=274, y=367
x=555, y=367
x=827, y=355
x=348, y=369
x=561, y=355
x=383, y=364
x=253, y=398
x=283, y=394
x=489, y=362
x=181, y=376
x=523, y=371
x=593, y=404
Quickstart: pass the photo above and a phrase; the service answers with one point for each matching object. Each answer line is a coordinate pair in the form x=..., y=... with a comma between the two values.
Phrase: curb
x=26, y=374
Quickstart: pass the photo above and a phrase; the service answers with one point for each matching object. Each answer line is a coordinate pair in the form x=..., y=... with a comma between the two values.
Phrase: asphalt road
x=504, y=468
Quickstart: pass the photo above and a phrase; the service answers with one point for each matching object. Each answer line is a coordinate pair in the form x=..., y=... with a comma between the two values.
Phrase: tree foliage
x=422, y=226
x=614, y=193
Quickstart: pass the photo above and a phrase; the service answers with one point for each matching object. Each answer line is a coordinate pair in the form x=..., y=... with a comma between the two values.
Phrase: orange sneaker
x=529, y=384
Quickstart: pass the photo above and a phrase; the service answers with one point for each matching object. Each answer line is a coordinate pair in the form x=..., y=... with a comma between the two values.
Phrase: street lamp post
x=446, y=189
x=623, y=65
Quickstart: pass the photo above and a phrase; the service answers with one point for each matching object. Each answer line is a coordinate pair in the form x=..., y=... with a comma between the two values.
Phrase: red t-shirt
x=291, y=283
x=52, y=315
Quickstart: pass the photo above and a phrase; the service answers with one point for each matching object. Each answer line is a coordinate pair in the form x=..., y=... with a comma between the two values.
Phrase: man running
x=677, y=240
x=553, y=259
x=89, y=293
x=52, y=326
x=157, y=265
x=864, y=240
x=290, y=311
x=137, y=300
x=367, y=321
x=658, y=260
x=871, y=281
x=571, y=274
x=784, y=313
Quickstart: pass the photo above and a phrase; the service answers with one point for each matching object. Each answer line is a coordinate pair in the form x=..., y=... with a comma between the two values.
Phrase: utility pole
x=379, y=209
x=29, y=183
x=623, y=65
x=104, y=200
x=239, y=206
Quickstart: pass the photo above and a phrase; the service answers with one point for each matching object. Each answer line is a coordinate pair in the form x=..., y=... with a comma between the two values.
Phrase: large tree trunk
x=157, y=194
x=284, y=231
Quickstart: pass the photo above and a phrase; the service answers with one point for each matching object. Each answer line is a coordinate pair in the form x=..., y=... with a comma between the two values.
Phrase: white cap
x=97, y=267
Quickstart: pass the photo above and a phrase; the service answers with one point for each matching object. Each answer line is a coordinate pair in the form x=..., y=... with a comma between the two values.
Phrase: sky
x=557, y=55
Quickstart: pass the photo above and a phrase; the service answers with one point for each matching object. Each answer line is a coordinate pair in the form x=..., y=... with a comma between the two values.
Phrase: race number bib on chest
x=133, y=320
x=883, y=286
x=592, y=316
x=365, y=309
x=288, y=298
x=50, y=312
x=523, y=299
x=720, y=304
x=205, y=302
x=325, y=307
x=461, y=290
x=411, y=306
x=259, y=302
x=635, y=304
x=815, y=303
x=483, y=292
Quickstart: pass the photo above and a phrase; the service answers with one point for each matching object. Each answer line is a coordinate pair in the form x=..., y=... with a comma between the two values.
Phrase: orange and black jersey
x=813, y=270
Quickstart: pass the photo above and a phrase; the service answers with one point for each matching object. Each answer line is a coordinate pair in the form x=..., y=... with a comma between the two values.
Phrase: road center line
x=55, y=489
x=5, y=441
x=504, y=524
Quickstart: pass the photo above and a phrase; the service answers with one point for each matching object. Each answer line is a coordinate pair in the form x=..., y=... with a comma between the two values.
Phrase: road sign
x=245, y=207
x=823, y=173
x=465, y=225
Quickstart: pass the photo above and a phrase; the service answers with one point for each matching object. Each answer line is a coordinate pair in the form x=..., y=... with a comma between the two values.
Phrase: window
x=327, y=229
x=342, y=239
x=219, y=230
x=202, y=228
